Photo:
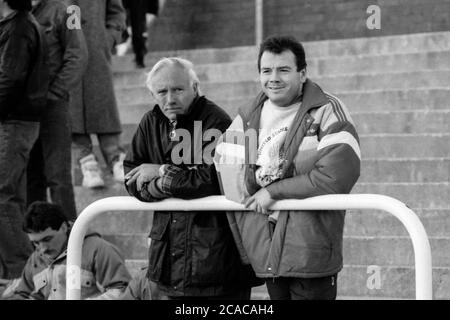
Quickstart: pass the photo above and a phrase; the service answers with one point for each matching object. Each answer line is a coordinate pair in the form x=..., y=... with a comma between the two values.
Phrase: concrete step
x=134, y=101
x=378, y=250
x=223, y=74
x=405, y=170
x=239, y=70
x=357, y=83
x=397, y=282
x=417, y=121
x=398, y=44
x=431, y=145
x=392, y=250
x=373, y=223
x=414, y=195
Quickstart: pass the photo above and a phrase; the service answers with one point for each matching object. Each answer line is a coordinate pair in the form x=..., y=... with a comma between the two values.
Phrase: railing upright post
x=259, y=27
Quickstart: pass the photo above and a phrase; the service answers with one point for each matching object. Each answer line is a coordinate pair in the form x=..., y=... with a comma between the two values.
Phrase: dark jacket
x=67, y=51
x=322, y=156
x=192, y=253
x=23, y=68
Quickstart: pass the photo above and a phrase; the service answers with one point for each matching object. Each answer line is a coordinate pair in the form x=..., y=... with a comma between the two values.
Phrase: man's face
x=173, y=90
x=279, y=77
x=49, y=242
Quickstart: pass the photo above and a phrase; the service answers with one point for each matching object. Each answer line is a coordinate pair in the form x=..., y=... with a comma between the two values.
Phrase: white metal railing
x=259, y=27
x=421, y=245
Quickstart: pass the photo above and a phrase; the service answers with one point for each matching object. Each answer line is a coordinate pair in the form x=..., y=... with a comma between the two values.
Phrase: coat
x=93, y=106
x=191, y=253
x=67, y=52
x=322, y=156
x=24, y=69
x=104, y=275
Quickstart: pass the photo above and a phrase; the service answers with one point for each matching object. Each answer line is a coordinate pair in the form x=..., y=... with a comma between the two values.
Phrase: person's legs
x=54, y=140
x=278, y=288
x=138, y=27
x=16, y=141
x=36, y=182
x=84, y=156
x=324, y=288
x=113, y=153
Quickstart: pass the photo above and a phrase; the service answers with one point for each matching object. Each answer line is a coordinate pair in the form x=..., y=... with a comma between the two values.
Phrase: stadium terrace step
x=417, y=121
x=238, y=70
x=404, y=145
x=357, y=82
x=405, y=170
x=397, y=282
x=414, y=195
x=400, y=252
x=373, y=223
x=399, y=44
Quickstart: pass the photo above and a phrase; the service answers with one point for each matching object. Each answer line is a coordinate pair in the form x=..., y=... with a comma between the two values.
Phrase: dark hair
x=20, y=5
x=279, y=44
x=42, y=215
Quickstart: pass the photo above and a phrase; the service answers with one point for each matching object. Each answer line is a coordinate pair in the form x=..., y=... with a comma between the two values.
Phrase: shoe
x=118, y=173
x=92, y=175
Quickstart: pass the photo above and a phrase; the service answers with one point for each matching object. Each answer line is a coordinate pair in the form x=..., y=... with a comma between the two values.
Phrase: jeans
x=109, y=146
x=50, y=160
x=16, y=141
x=324, y=288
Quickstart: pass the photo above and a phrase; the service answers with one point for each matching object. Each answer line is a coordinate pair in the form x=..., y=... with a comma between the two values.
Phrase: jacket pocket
x=210, y=255
x=158, y=246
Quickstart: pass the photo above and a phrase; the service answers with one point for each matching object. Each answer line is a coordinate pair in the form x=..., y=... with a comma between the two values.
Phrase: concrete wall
x=190, y=24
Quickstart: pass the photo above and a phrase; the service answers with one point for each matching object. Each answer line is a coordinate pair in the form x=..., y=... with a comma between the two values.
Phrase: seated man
x=192, y=254
x=103, y=272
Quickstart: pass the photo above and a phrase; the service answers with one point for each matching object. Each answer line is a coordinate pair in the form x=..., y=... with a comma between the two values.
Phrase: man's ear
x=195, y=87
x=303, y=74
x=64, y=227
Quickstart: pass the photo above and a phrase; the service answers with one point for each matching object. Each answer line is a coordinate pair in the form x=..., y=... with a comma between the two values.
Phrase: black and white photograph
x=224, y=155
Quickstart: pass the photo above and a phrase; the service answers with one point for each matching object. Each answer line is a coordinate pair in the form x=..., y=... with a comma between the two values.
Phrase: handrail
x=421, y=245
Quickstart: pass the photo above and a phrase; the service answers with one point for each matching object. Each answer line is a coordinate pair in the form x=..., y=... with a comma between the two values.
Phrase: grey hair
x=173, y=61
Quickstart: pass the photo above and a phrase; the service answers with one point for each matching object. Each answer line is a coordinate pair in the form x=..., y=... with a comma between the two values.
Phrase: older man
x=192, y=254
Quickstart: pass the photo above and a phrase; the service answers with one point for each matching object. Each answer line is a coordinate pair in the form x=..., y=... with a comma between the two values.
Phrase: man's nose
x=274, y=76
x=171, y=97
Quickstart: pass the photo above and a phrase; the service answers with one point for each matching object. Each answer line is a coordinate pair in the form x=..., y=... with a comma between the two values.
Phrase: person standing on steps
x=23, y=95
x=50, y=159
x=93, y=108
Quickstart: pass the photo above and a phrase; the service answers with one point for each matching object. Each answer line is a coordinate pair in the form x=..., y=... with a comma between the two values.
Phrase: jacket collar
x=9, y=17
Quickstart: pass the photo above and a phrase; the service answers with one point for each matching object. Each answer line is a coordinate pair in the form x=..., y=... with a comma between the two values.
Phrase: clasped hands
x=260, y=201
x=142, y=174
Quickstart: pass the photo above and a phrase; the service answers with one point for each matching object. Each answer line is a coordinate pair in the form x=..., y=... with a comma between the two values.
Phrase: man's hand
x=260, y=201
x=144, y=173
